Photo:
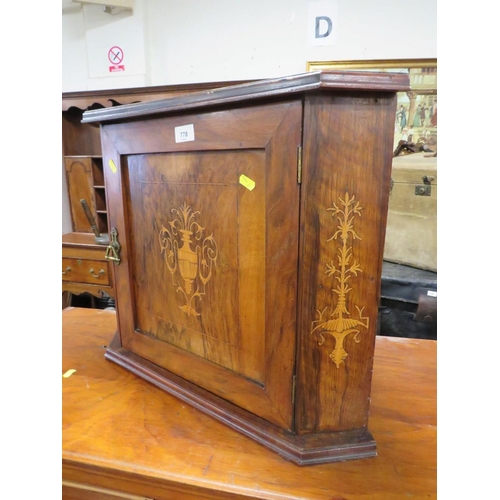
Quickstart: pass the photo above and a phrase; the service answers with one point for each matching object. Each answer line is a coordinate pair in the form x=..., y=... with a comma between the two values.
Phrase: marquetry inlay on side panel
x=345, y=187
x=336, y=320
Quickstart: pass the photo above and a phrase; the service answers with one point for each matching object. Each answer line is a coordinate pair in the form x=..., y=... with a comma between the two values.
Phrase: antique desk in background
x=125, y=439
x=84, y=267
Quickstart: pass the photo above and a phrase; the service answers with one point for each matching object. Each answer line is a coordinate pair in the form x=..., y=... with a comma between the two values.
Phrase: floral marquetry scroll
x=189, y=256
x=342, y=270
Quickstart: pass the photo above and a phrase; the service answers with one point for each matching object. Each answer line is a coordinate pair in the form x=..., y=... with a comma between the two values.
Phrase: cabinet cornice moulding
x=271, y=88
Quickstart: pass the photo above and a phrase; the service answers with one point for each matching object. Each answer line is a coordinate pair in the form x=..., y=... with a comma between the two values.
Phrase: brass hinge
x=293, y=388
x=299, y=164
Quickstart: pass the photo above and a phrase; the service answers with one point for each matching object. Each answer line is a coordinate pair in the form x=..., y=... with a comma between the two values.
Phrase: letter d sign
x=322, y=22
x=320, y=32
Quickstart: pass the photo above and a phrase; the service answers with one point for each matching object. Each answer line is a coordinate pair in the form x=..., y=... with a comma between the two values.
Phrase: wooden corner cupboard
x=247, y=229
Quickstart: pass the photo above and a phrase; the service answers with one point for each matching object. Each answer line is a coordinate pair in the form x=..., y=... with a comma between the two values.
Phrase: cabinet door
x=206, y=208
x=80, y=186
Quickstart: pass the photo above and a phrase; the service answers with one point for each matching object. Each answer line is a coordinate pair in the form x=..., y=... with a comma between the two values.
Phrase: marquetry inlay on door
x=189, y=256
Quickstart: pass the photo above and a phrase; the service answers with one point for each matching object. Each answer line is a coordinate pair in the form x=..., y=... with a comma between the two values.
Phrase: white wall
x=260, y=39
x=172, y=42
x=201, y=40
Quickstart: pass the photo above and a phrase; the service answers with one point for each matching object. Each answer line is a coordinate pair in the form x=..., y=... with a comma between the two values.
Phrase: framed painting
x=416, y=116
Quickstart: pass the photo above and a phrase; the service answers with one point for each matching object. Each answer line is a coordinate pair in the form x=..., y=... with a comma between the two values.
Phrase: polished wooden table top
x=122, y=434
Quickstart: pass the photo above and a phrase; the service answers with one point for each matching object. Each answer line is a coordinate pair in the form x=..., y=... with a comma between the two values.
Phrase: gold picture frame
x=416, y=116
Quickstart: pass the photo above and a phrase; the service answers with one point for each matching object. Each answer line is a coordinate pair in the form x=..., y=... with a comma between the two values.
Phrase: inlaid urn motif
x=339, y=325
x=189, y=256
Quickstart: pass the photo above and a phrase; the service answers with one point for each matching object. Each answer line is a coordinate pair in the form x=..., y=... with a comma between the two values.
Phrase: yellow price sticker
x=112, y=166
x=247, y=182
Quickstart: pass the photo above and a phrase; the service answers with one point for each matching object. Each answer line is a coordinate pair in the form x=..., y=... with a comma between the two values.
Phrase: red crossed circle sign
x=115, y=55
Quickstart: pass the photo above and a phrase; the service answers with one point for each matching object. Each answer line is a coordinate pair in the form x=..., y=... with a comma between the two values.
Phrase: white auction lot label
x=184, y=133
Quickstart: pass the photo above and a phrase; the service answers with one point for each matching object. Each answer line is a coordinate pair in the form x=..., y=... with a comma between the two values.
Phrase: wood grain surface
x=241, y=350
x=124, y=438
x=345, y=191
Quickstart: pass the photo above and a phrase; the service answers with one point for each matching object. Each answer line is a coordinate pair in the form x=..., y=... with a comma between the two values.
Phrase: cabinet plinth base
x=308, y=449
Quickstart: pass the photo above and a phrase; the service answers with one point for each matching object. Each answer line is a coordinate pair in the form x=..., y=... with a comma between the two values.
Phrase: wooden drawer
x=85, y=271
x=76, y=491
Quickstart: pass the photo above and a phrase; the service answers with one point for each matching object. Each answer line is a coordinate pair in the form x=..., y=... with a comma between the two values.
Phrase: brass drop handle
x=101, y=272
x=67, y=270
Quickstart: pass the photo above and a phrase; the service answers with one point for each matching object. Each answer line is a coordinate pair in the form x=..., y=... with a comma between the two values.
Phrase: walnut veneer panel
x=185, y=207
x=346, y=175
